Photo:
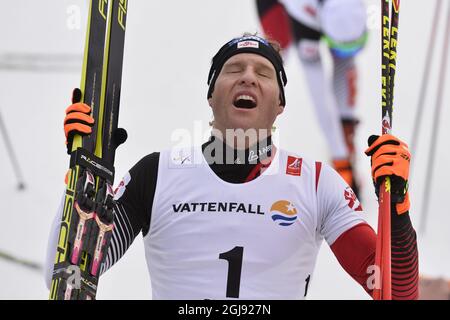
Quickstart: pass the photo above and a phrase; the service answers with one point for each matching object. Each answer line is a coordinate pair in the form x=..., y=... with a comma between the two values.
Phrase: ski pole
x=389, y=35
x=435, y=127
x=424, y=85
x=23, y=262
x=12, y=155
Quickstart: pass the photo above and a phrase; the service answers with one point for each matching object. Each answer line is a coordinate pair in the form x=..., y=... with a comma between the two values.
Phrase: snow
x=167, y=58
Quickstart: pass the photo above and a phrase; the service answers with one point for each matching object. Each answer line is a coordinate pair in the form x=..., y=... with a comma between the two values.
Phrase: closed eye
x=232, y=69
x=265, y=72
x=265, y=75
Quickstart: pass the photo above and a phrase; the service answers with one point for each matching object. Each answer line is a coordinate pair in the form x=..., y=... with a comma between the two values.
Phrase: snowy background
x=168, y=49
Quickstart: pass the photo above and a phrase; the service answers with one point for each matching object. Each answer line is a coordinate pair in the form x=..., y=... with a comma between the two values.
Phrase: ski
x=88, y=220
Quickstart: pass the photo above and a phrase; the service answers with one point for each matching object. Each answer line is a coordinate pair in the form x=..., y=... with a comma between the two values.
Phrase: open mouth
x=244, y=101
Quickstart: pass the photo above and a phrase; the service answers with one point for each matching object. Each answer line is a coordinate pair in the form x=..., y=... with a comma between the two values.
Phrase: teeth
x=245, y=97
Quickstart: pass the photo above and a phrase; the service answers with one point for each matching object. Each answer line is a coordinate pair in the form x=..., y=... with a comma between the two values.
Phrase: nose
x=248, y=77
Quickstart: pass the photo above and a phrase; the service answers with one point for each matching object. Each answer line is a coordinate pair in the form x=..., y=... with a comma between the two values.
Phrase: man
x=240, y=218
x=341, y=23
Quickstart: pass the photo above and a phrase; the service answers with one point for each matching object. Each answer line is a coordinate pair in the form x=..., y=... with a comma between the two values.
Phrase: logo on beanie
x=248, y=44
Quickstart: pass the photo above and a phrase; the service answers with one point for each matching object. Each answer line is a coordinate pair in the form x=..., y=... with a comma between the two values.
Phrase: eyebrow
x=259, y=65
x=233, y=64
x=264, y=67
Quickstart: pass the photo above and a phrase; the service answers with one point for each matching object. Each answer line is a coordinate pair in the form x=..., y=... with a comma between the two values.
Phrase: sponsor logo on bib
x=283, y=213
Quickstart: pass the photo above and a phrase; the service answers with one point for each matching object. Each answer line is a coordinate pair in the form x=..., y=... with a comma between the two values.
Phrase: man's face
x=246, y=94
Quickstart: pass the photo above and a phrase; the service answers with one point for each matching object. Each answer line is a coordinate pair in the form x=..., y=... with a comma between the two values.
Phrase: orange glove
x=390, y=157
x=78, y=119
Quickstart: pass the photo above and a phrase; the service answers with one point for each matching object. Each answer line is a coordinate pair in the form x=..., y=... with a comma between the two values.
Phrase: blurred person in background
x=342, y=25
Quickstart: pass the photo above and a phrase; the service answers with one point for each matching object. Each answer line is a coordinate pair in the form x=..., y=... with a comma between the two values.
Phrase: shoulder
x=148, y=161
x=326, y=179
x=146, y=168
x=144, y=171
x=329, y=182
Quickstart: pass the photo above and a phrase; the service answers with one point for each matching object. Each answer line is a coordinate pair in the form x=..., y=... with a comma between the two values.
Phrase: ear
x=280, y=109
x=210, y=102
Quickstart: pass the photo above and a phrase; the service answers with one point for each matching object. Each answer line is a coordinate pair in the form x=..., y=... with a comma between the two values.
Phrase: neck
x=218, y=151
x=239, y=138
